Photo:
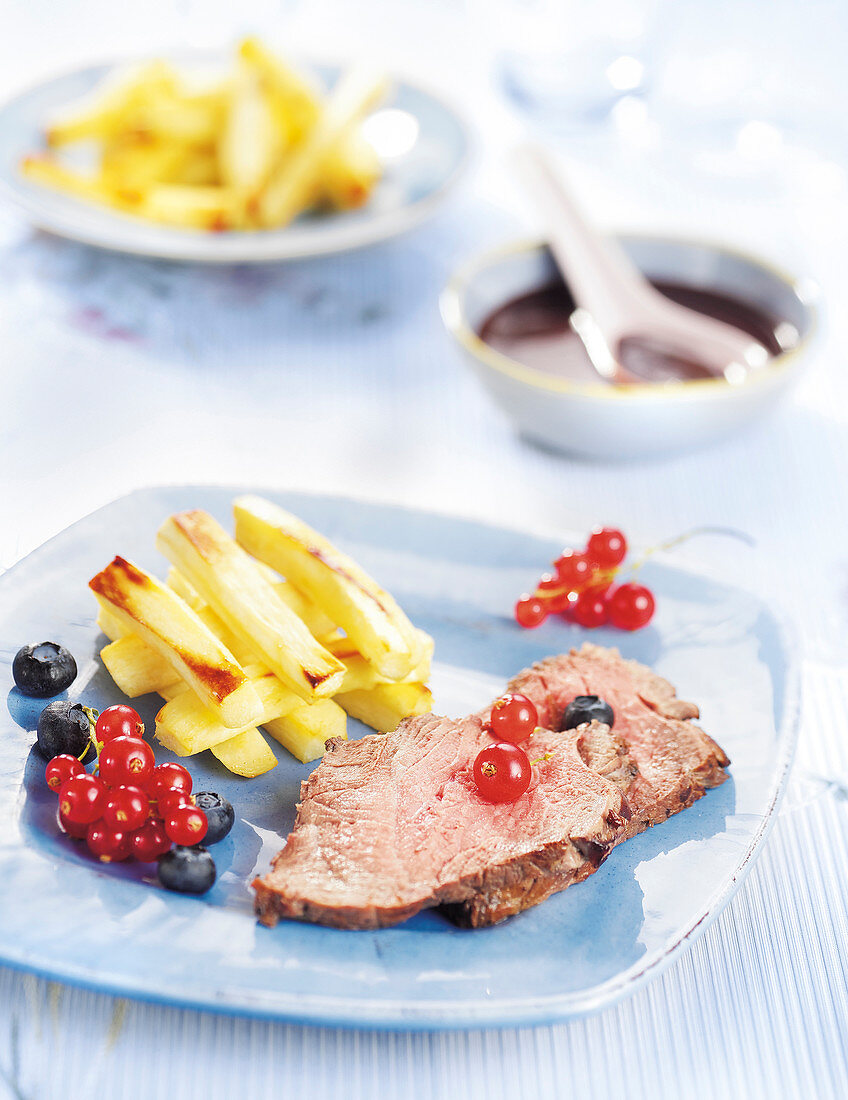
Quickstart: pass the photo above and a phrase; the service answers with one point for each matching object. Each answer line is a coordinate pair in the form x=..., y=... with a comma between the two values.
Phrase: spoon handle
x=602, y=279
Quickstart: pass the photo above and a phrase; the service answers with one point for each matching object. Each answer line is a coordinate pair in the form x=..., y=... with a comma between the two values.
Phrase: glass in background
x=568, y=63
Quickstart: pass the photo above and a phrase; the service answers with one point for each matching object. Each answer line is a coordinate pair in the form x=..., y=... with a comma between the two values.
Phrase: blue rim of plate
x=86, y=223
x=401, y=1014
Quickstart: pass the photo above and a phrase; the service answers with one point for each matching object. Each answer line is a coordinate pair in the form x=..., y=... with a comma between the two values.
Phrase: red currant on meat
x=108, y=844
x=150, y=842
x=126, y=809
x=631, y=606
x=530, y=612
x=77, y=831
x=607, y=546
x=118, y=721
x=61, y=768
x=126, y=761
x=501, y=772
x=82, y=799
x=168, y=777
x=171, y=799
x=186, y=825
x=574, y=570
x=514, y=717
x=590, y=610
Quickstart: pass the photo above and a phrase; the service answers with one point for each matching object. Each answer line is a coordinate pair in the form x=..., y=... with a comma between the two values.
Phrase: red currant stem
x=730, y=532
x=92, y=715
x=602, y=576
x=542, y=759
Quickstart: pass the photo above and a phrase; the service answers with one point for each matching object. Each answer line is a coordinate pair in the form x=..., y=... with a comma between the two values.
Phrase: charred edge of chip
x=221, y=682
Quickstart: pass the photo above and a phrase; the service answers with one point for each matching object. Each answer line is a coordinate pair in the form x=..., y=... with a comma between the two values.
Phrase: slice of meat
x=676, y=760
x=389, y=825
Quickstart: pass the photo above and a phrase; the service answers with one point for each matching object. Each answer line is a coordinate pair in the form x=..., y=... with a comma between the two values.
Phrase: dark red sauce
x=534, y=330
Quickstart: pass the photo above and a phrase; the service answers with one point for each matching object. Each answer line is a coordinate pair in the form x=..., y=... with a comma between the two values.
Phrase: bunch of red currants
x=131, y=807
x=581, y=588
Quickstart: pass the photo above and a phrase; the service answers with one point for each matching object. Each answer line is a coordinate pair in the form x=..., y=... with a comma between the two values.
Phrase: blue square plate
x=110, y=928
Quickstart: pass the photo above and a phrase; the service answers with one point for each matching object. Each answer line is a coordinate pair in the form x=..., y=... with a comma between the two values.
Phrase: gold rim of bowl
x=453, y=316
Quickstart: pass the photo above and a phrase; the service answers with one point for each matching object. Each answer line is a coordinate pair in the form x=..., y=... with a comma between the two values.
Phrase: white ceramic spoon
x=620, y=317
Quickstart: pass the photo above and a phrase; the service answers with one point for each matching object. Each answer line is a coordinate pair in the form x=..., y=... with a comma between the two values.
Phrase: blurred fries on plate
x=231, y=646
x=250, y=150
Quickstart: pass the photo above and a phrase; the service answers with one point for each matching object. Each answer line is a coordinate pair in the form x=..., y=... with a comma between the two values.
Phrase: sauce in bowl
x=534, y=330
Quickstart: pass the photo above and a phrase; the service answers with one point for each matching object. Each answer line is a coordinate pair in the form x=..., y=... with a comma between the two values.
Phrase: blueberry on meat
x=587, y=708
x=64, y=727
x=187, y=870
x=219, y=815
x=43, y=670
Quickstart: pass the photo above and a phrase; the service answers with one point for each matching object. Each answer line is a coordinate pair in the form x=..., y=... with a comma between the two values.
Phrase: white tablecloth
x=336, y=375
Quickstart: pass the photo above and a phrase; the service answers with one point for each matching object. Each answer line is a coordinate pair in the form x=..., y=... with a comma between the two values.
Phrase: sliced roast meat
x=392, y=824
x=389, y=825
x=676, y=760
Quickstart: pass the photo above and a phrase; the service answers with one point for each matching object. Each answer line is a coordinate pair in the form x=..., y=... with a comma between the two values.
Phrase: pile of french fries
x=231, y=646
x=251, y=151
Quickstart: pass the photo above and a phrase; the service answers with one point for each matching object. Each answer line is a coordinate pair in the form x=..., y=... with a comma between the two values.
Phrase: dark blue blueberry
x=43, y=670
x=64, y=727
x=187, y=870
x=586, y=708
x=219, y=813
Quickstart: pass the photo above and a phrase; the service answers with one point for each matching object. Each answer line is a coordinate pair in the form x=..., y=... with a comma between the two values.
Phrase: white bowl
x=603, y=421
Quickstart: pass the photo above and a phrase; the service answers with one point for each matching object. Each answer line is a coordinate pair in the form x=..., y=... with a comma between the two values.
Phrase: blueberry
x=187, y=870
x=219, y=813
x=586, y=708
x=64, y=727
x=43, y=670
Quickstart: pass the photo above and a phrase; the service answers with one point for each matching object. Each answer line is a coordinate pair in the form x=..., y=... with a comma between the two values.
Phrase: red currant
x=127, y=809
x=82, y=799
x=574, y=570
x=591, y=609
x=126, y=761
x=631, y=606
x=186, y=825
x=61, y=768
x=530, y=611
x=77, y=831
x=501, y=772
x=548, y=581
x=167, y=777
x=118, y=721
x=561, y=601
x=108, y=844
x=514, y=717
x=566, y=606
x=564, y=563
x=171, y=799
x=607, y=546
x=150, y=842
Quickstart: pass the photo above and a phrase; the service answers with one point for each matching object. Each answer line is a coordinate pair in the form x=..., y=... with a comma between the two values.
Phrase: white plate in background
x=424, y=142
